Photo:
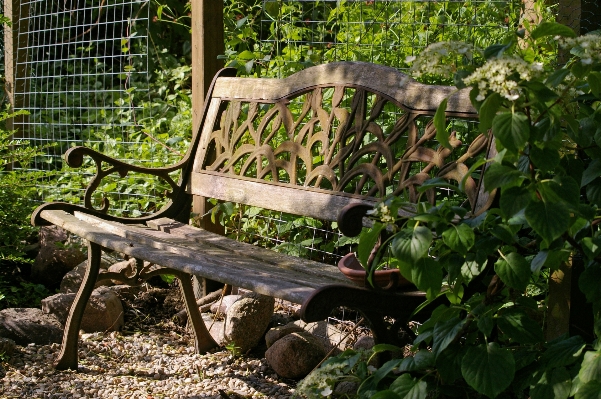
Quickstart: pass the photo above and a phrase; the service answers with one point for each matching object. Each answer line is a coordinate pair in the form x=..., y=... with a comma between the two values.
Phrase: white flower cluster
x=494, y=76
x=430, y=60
x=383, y=213
x=587, y=47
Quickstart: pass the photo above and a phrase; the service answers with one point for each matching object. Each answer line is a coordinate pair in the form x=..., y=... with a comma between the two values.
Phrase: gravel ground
x=142, y=365
x=154, y=358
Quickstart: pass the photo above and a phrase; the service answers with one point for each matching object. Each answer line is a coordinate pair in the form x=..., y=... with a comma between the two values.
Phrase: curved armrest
x=105, y=166
x=350, y=218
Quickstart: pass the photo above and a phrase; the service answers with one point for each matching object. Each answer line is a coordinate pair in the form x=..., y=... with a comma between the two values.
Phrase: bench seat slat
x=228, y=267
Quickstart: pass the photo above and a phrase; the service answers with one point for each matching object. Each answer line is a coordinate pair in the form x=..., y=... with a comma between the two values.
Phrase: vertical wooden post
x=207, y=44
x=15, y=55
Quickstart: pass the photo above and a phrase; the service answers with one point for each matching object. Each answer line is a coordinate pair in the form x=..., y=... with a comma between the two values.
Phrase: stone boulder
x=247, y=319
x=104, y=311
x=326, y=333
x=215, y=328
x=281, y=331
x=54, y=261
x=224, y=304
x=29, y=325
x=72, y=280
x=365, y=343
x=295, y=355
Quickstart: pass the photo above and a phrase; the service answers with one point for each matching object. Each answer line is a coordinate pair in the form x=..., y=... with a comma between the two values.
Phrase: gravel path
x=148, y=365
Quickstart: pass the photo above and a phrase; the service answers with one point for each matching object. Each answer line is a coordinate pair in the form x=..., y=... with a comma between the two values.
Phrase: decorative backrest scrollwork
x=342, y=137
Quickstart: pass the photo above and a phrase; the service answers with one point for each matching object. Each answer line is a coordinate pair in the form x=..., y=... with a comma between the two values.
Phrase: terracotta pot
x=349, y=266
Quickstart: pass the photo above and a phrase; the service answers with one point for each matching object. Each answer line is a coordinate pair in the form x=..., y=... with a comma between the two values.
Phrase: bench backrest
x=328, y=136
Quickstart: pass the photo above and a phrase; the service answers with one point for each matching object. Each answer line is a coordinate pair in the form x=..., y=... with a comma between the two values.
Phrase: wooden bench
x=331, y=137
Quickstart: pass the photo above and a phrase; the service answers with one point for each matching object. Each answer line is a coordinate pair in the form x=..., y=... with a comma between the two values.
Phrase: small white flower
x=537, y=66
x=587, y=61
x=326, y=392
x=410, y=58
x=371, y=368
x=512, y=97
x=480, y=97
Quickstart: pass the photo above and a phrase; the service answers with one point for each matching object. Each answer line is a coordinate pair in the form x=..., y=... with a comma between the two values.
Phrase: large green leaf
x=552, y=29
x=519, y=327
x=513, y=270
x=591, y=172
x=367, y=241
x=411, y=244
x=498, y=175
x=448, y=363
x=488, y=110
x=420, y=361
x=440, y=124
x=549, y=219
x=426, y=274
x=588, y=282
x=445, y=332
x=564, y=352
x=553, y=384
x=594, y=82
x=590, y=390
x=512, y=129
x=460, y=238
x=514, y=200
x=590, y=370
x=488, y=368
x=386, y=394
x=408, y=387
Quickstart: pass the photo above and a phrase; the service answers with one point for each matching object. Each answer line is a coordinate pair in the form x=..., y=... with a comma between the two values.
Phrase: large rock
x=247, y=319
x=224, y=304
x=215, y=328
x=280, y=332
x=295, y=355
x=104, y=311
x=54, y=261
x=29, y=325
x=7, y=346
x=72, y=280
x=326, y=333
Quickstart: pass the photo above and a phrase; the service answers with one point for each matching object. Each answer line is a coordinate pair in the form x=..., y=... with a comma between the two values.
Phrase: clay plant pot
x=350, y=266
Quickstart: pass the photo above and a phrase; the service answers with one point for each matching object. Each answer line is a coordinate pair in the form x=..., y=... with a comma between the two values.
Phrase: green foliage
x=486, y=337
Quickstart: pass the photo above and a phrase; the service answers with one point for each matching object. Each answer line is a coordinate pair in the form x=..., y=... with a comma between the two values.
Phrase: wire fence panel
x=86, y=74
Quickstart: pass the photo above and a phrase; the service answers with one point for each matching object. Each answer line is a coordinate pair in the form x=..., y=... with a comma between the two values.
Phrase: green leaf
x=513, y=270
x=471, y=268
x=519, y=327
x=512, y=129
x=412, y=245
x=448, y=363
x=557, y=77
x=546, y=159
x=427, y=276
x=564, y=352
x=552, y=29
x=488, y=110
x=445, y=332
x=553, y=384
x=541, y=91
x=386, y=394
x=591, y=172
x=590, y=370
x=593, y=192
x=485, y=325
x=367, y=241
x=590, y=390
x=588, y=282
x=591, y=246
x=594, y=82
x=420, y=361
x=441, y=126
x=513, y=200
x=386, y=348
x=369, y=387
x=460, y=238
x=488, y=368
x=549, y=219
x=408, y=387
x=498, y=175
x=495, y=50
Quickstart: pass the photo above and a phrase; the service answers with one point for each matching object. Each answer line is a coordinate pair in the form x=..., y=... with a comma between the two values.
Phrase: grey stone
x=215, y=328
x=126, y=268
x=7, y=346
x=247, y=319
x=346, y=389
x=295, y=355
x=330, y=336
x=72, y=280
x=104, y=311
x=129, y=292
x=49, y=235
x=29, y=325
x=281, y=331
x=52, y=263
x=365, y=342
x=224, y=304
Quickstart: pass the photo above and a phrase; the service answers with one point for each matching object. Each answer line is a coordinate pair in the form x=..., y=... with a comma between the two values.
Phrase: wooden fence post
x=207, y=44
x=15, y=56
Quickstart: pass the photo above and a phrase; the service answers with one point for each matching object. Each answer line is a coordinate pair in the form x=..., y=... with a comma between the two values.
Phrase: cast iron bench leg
x=203, y=341
x=67, y=358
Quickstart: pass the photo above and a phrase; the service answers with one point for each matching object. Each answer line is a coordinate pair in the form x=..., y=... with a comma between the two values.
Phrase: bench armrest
x=106, y=166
